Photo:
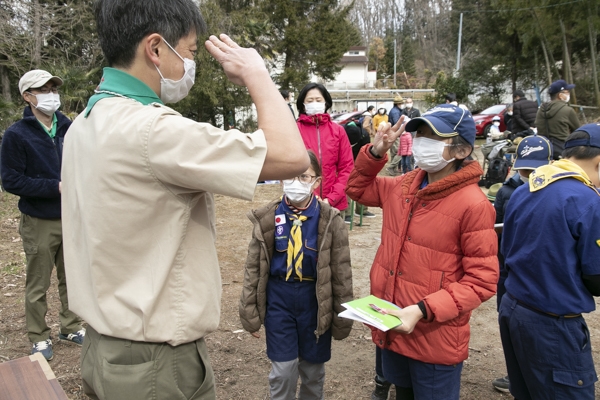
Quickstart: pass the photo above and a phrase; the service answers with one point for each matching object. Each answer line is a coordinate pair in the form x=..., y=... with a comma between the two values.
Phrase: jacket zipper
x=320, y=157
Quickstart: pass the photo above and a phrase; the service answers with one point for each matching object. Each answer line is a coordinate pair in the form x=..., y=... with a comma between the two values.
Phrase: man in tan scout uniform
x=138, y=184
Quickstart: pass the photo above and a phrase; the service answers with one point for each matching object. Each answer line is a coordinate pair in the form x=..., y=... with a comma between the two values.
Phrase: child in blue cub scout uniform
x=551, y=245
x=297, y=276
x=532, y=152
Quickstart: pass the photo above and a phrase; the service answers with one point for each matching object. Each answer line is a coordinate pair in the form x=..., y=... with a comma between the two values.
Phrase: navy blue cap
x=447, y=120
x=558, y=86
x=532, y=152
x=591, y=129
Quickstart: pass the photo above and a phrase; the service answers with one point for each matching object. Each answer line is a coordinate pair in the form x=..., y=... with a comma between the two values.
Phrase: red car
x=483, y=120
x=343, y=119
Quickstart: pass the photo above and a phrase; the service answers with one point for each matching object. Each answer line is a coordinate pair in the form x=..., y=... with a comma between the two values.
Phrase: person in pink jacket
x=405, y=151
x=328, y=141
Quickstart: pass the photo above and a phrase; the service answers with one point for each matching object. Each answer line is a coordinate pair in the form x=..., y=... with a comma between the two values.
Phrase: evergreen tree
x=311, y=37
x=408, y=57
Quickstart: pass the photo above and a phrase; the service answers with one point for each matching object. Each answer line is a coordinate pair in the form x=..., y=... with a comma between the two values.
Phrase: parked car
x=483, y=120
x=343, y=119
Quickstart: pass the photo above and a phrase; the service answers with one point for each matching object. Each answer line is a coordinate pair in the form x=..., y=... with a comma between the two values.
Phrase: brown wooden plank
x=29, y=378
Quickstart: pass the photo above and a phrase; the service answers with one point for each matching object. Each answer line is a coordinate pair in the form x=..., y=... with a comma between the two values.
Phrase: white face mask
x=567, y=98
x=173, y=91
x=402, y=106
x=509, y=112
x=409, y=105
x=496, y=123
x=47, y=103
x=429, y=154
x=297, y=191
x=314, y=108
x=524, y=179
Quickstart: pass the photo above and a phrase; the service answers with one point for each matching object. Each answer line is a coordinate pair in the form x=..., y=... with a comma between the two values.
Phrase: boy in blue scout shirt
x=551, y=244
x=532, y=152
x=297, y=276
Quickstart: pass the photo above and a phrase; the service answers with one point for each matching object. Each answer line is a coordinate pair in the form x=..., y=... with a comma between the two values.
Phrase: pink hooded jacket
x=330, y=143
x=405, y=148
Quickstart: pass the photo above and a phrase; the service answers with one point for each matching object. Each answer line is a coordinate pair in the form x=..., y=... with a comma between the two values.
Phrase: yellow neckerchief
x=547, y=174
x=295, y=255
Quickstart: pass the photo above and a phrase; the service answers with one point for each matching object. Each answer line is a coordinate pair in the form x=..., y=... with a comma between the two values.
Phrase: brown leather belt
x=519, y=302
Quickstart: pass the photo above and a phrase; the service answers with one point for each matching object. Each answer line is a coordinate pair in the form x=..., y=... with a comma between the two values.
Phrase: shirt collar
x=118, y=83
x=52, y=131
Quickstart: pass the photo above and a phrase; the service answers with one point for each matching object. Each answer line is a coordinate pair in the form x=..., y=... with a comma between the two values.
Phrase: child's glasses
x=304, y=178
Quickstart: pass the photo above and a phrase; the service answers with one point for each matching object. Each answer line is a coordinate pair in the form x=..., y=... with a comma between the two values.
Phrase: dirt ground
x=238, y=359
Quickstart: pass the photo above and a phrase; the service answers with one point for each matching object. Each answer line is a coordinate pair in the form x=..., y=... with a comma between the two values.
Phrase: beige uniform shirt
x=139, y=219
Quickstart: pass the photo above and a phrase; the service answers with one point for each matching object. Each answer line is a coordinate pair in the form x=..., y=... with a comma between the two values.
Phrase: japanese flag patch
x=279, y=219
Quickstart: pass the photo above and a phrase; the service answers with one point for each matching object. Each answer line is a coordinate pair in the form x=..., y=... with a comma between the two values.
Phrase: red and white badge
x=279, y=219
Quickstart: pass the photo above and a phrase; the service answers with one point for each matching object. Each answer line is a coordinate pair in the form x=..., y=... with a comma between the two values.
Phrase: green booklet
x=366, y=310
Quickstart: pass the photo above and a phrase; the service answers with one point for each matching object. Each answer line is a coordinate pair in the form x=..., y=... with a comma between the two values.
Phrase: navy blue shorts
x=546, y=357
x=291, y=322
x=428, y=381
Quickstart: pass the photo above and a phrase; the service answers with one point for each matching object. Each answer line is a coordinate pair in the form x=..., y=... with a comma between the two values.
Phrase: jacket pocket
x=125, y=382
x=436, y=281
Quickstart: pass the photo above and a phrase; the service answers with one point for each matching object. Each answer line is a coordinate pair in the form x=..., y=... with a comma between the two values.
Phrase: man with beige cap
x=31, y=162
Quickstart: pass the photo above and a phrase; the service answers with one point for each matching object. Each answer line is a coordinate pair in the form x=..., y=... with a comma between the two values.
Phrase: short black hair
x=314, y=163
x=285, y=93
x=580, y=152
x=451, y=97
x=122, y=24
x=370, y=108
x=304, y=91
x=519, y=93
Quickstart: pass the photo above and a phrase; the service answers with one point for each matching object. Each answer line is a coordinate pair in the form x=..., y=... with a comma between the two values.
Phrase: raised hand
x=239, y=63
x=386, y=135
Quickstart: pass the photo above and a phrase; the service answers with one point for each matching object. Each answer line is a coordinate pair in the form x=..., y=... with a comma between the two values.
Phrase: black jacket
x=31, y=163
x=504, y=194
x=412, y=113
x=524, y=112
x=508, y=122
x=357, y=136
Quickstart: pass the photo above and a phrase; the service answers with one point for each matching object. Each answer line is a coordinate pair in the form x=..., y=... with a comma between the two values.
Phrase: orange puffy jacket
x=437, y=245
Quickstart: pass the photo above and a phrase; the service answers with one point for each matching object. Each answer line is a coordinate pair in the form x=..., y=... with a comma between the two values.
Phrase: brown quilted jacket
x=334, y=272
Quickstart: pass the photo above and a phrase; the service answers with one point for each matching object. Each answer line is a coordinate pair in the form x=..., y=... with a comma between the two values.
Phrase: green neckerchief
x=52, y=131
x=117, y=83
x=561, y=169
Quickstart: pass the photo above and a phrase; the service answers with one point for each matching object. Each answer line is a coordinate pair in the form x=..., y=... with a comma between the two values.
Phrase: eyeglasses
x=44, y=90
x=304, y=178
